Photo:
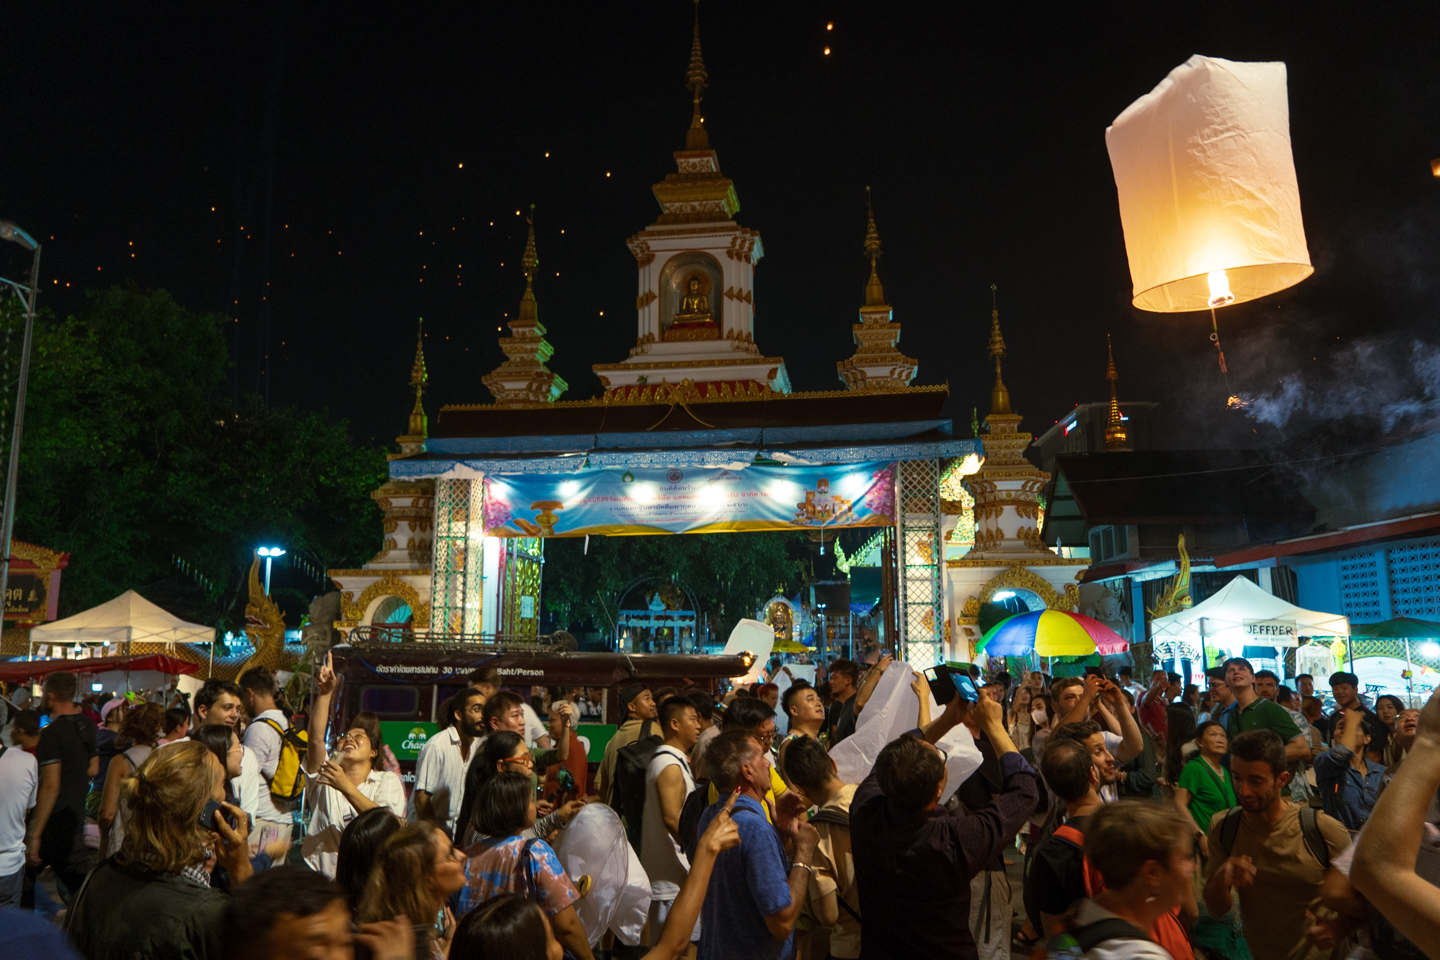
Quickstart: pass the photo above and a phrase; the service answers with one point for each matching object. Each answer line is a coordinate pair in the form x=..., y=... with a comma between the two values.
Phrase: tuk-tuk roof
x=429, y=662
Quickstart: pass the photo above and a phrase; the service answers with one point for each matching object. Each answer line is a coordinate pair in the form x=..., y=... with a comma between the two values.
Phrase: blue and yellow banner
x=691, y=500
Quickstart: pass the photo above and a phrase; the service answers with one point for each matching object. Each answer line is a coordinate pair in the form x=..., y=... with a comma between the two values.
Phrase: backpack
x=837, y=818
x=1309, y=829
x=289, y=780
x=632, y=762
x=695, y=805
x=1073, y=944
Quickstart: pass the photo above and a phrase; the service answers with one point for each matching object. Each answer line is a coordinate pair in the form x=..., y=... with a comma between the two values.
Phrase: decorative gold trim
x=678, y=334
x=686, y=364
x=388, y=585
x=372, y=572
x=645, y=299
x=1028, y=562
x=808, y=395
x=1016, y=576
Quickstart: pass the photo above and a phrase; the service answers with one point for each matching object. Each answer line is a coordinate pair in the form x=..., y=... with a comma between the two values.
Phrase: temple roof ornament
x=999, y=396
x=523, y=379
x=418, y=429
x=697, y=80
x=1116, y=436
x=878, y=363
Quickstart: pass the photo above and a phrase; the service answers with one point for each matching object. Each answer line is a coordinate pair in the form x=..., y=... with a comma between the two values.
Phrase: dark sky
x=144, y=137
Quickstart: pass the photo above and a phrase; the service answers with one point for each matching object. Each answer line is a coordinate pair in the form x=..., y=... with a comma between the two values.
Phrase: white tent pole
x=1410, y=678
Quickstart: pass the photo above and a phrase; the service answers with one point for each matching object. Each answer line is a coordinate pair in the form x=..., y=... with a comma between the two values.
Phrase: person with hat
x=112, y=717
x=639, y=706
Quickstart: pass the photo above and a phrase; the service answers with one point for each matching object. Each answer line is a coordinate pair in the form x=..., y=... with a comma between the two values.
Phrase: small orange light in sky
x=462, y=166
x=830, y=26
x=827, y=51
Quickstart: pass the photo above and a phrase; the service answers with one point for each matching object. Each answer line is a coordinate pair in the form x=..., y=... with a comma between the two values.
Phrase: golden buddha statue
x=695, y=305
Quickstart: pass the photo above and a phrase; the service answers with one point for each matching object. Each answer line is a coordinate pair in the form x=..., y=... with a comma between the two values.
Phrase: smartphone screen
x=965, y=686
x=942, y=684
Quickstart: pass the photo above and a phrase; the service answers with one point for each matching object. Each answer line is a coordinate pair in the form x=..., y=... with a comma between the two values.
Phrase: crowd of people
x=1147, y=821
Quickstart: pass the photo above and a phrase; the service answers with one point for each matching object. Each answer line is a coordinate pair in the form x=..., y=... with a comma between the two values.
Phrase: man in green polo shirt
x=1254, y=712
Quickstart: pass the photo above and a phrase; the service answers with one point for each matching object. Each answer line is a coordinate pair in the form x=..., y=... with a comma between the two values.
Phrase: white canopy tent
x=1241, y=614
x=126, y=619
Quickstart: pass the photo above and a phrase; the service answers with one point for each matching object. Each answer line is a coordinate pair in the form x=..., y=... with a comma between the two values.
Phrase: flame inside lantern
x=1220, y=294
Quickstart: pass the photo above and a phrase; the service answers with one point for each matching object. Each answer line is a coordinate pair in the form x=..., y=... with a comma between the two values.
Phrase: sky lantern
x=1206, y=180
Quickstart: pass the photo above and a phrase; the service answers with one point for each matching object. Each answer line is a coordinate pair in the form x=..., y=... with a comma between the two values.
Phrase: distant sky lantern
x=1208, y=196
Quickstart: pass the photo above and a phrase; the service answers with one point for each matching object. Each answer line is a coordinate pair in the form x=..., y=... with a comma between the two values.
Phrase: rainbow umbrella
x=1051, y=633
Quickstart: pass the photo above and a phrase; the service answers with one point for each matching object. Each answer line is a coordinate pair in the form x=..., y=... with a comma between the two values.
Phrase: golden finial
x=1116, y=436
x=418, y=378
x=999, y=396
x=529, y=310
x=874, y=292
x=697, y=80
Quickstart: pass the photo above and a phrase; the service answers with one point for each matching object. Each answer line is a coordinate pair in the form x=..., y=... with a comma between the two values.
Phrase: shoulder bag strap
x=1314, y=839
x=532, y=892
x=1229, y=829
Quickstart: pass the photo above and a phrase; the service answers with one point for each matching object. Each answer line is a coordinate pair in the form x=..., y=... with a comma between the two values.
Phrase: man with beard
x=444, y=759
x=1274, y=853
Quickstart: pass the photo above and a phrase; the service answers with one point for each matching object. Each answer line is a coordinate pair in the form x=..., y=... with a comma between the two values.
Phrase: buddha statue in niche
x=694, y=305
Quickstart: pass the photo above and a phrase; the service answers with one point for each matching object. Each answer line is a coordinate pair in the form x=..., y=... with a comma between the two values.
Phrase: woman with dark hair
x=513, y=860
x=1179, y=740
x=511, y=926
x=139, y=733
x=359, y=845
x=224, y=745
x=416, y=871
x=503, y=752
x=1388, y=708
x=352, y=780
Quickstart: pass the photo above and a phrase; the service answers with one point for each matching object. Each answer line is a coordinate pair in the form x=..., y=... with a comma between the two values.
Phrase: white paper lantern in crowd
x=1206, y=179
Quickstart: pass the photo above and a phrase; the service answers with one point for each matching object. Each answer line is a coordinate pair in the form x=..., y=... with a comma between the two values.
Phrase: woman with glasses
x=351, y=781
x=504, y=752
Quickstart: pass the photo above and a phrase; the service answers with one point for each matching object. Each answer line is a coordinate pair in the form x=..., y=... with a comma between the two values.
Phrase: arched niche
x=674, y=276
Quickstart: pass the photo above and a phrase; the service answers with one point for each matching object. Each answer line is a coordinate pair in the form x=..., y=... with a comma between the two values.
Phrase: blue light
x=271, y=551
x=1070, y=426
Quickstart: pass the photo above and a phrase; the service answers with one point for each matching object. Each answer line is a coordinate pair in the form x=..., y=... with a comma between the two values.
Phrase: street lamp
x=269, y=553
x=8, y=231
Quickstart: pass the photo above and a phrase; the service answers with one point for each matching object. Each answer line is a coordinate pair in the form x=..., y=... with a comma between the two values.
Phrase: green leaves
x=128, y=461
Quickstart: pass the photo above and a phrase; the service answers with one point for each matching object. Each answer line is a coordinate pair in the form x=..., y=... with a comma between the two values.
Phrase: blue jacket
x=1347, y=795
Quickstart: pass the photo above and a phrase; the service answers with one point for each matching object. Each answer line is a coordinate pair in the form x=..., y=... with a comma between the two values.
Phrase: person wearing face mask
x=351, y=782
x=1042, y=715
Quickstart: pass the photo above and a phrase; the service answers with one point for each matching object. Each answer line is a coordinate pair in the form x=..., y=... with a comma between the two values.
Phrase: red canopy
x=17, y=670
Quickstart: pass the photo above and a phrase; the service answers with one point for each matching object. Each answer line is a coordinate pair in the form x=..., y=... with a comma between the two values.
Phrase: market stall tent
x=126, y=619
x=143, y=669
x=1241, y=613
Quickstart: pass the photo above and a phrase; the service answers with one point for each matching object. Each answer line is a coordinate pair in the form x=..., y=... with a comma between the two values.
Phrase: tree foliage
x=128, y=462
x=730, y=574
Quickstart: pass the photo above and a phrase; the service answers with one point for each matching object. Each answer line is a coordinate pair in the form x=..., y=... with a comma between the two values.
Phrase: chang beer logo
x=415, y=739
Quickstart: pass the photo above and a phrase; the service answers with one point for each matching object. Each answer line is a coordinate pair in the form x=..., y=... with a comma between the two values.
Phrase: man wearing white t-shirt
x=274, y=818
x=445, y=758
x=667, y=783
x=19, y=780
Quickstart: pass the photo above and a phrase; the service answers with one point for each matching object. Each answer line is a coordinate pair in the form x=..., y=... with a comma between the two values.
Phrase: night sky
x=367, y=162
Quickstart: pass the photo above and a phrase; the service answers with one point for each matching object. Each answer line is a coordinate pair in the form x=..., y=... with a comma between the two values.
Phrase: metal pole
x=267, y=575
x=12, y=478
x=1410, y=676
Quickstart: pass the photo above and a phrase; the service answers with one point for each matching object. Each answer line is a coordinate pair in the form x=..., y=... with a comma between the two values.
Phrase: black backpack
x=695, y=805
x=1092, y=935
x=632, y=761
x=1309, y=829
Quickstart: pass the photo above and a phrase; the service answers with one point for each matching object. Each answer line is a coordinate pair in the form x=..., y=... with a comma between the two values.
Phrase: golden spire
x=999, y=396
x=529, y=310
x=874, y=292
x=697, y=80
x=418, y=378
x=1116, y=436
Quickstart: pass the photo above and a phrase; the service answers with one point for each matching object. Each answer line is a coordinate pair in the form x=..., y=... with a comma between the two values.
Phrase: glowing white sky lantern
x=1206, y=179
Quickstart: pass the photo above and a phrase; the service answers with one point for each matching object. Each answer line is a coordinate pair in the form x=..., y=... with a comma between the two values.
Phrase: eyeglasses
x=765, y=740
x=527, y=761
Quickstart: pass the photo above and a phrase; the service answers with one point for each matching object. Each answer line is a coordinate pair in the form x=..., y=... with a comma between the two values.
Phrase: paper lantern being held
x=1208, y=197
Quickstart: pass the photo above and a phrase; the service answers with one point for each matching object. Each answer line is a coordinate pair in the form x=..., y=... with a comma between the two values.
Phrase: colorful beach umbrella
x=1051, y=633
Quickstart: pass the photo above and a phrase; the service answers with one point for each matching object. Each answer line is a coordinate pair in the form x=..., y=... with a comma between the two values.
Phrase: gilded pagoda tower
x=878, y=363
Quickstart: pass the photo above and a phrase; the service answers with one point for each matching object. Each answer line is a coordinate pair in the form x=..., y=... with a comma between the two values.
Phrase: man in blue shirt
x=756, y=891
x=1349, y=782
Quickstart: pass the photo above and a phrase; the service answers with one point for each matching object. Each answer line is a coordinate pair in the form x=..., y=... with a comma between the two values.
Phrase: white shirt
x=440, y=772
x=660, y=855
x=1110, y=792
x=262, y=738
x=19, y=786
x=250, y=784
x=534, y=729
x=1089, y=912
x=321, y=846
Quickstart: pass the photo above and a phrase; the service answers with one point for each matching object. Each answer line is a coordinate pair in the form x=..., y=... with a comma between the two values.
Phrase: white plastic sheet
x=892, y=711
x=1206, y=181
x=751, y=636
x=619, y=899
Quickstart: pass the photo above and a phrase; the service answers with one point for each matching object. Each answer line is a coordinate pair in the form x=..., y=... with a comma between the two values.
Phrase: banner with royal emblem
x=690, y=500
